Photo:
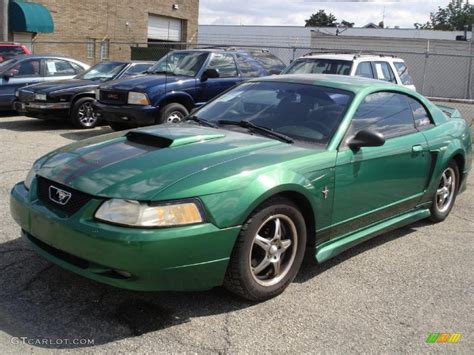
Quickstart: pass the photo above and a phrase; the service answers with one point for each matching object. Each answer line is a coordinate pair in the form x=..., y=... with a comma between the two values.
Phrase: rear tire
x=268, y=252
x=83, y=115
x=446, y=193
x=172, y=113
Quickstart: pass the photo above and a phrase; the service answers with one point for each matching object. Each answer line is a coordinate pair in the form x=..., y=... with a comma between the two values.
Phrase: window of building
x=90, y=48
x=224, y=64
x=104, y=50
x=385, y=112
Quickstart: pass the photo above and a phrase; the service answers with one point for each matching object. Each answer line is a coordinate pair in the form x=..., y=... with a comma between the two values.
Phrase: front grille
x=113, y=97
x=26, y=96
x=61, y=197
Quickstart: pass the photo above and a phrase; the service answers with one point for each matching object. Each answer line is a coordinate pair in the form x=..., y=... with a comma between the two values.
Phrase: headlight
x=31, y=175
x=139, y=214
x=40, y=97
x=138, y=98
x=97, y=94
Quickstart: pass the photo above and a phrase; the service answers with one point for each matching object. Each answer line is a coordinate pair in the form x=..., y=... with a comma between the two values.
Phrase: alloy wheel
x=446, y=190
x=175, y=117
x=273, y=250
x=86, y=114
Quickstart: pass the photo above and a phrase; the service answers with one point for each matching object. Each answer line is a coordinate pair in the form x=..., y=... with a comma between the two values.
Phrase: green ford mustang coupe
x=236, y=194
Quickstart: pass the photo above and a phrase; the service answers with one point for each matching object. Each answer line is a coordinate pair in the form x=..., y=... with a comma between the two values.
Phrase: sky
x=403, y=13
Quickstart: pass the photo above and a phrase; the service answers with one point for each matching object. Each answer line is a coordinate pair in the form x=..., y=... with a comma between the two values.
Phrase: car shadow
x=39, y=300
x=25, y=124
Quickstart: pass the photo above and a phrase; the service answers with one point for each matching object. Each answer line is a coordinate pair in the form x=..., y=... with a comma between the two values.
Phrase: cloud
x=401, y=13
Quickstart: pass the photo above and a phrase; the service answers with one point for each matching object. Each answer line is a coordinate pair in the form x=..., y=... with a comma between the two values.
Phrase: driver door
x=374, y=183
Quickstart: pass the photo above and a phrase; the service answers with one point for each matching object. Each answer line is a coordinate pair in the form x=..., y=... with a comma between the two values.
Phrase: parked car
x=382, y=67
x=26, y=70
x=10, y=50
x=236, y=194
x=72, y=98
x=181, y=80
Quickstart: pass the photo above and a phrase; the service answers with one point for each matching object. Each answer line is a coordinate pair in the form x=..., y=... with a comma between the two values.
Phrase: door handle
x=417, y=148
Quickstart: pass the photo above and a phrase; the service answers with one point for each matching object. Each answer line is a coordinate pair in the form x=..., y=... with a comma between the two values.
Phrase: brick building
x=95, y=30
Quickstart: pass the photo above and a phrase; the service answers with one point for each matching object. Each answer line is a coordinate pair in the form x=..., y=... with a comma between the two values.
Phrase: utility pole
x=4, y=20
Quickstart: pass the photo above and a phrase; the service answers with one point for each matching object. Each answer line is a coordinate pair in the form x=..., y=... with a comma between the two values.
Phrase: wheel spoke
x=285, y=244
x=277, y=267
x=260, y=267
x=262, y=243
x=277, y=234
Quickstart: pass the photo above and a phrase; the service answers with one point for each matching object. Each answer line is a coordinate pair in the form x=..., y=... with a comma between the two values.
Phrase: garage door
x=24, y=38
x=164, y=28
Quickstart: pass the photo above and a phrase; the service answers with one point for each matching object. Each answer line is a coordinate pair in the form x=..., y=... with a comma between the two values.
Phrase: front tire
x=83, y=115
x=446, y=193
x=172, y=113
x=268, y=252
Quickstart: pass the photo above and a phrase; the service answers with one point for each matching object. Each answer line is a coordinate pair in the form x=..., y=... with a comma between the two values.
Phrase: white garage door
x=164, y=28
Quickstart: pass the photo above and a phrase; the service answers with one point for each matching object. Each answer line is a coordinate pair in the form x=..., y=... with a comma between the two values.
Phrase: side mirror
x=9, y=74
x=210, y=74
x=366, y=138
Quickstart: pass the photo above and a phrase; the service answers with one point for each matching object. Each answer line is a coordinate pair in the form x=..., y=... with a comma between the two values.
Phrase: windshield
x=302, y=112
x=180, y=63
x=102, y=71
x=319, y=66
x=7, y=63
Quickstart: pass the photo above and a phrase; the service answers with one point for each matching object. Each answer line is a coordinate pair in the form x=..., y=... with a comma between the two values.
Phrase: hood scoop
x=152, y=139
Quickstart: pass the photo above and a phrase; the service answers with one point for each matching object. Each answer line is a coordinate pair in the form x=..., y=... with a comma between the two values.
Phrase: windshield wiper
x=201, y=121
x=163, y=72
x=261, y=129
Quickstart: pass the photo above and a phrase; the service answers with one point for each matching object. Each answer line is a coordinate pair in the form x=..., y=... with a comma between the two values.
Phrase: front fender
x=175, y=96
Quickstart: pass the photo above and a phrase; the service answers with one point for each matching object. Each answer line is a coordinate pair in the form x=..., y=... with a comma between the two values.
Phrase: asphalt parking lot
x=386, y=295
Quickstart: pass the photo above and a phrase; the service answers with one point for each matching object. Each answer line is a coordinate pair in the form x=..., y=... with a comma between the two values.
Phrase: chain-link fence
x=436, y=72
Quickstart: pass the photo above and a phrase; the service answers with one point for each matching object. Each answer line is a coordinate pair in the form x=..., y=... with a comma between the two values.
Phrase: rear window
x=403, y=73
x=320, y=66
x=267, y=60
x=11, y=51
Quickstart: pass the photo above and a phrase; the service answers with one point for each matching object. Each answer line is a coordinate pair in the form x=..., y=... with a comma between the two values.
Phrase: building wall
x=77, y=21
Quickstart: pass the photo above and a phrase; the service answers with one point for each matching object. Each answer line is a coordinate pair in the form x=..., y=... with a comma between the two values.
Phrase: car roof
x=343, y=82
x=224, y=50
x=41, y=56
x=351, y=57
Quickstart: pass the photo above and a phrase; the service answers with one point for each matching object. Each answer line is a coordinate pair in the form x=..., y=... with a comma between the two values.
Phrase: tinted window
x=320, y=66
x=306, y=113
x=27, y=68
x=364, y=70
x=384, y=72
x=403, y=73
x=180, y=63
x=422, y=118
x=57, y=67
x=267, y=60
x=247, y=68
x=384, y=112
x=224, y=64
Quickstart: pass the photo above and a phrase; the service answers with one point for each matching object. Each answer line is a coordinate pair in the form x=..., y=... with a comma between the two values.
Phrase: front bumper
x=41, y=108
x=167, y=259
x=133, y=115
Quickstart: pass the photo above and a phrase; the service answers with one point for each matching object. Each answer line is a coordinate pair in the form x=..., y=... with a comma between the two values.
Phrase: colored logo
x=443, y=338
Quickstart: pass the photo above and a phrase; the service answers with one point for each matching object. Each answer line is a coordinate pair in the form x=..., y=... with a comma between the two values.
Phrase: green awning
x=29, y=17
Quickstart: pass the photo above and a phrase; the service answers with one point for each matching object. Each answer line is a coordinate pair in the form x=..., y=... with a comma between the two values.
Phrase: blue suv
x=178, y=82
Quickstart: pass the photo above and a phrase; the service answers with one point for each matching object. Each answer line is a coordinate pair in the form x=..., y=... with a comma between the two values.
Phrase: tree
x=454, y=17
x=321, y=19
x=347, y=24
x=381, y=24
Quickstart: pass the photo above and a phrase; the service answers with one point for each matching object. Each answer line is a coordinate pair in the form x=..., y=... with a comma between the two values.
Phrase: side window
x=403, y=73
x=27, y=68
x=385, y=112
x=224, y=64
x=384, y=72
x=364, y=70
x=58, y=67
x=248, y=69
x=421, y=116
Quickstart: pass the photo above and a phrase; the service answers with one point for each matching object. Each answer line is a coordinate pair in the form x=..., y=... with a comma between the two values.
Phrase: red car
x=10, y=50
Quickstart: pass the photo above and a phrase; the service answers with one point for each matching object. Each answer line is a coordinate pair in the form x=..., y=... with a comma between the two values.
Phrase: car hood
x=142, y=163
x=143, y=82
x=61, y=85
